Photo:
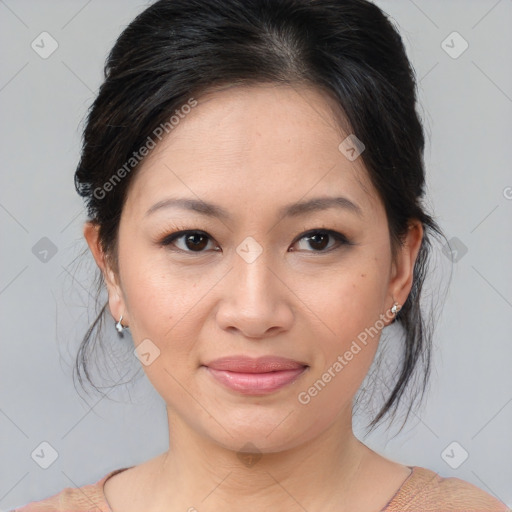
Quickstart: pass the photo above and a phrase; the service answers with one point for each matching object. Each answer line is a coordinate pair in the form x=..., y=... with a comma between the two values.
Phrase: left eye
x=319, y=240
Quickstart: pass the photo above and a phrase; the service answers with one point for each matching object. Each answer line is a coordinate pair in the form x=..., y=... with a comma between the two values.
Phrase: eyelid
x=332, y=232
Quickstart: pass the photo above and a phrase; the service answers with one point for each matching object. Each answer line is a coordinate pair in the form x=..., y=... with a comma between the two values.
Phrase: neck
x=198, y=473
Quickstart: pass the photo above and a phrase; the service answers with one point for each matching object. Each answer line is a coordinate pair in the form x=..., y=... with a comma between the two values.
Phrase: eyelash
x=340, y=239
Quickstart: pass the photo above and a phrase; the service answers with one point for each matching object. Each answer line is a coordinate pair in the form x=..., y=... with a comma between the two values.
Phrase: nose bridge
x=252, y=276
x=254, y=301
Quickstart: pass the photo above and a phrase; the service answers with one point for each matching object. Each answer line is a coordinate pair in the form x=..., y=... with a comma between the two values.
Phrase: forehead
x=250, y=144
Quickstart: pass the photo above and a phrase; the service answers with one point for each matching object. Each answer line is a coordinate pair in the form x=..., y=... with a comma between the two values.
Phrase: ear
x=403, y=269
x=115, y=296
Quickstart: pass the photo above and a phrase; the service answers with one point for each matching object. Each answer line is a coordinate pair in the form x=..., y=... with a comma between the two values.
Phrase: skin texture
x=252, y=150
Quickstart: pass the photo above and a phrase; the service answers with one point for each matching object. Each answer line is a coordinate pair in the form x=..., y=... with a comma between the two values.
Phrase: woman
x=253, y=173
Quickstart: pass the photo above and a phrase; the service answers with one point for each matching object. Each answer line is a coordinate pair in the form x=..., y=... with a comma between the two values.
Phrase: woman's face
x=254, y=281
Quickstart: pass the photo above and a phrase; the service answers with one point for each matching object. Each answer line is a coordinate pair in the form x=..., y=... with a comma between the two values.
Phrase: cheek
x=350, y=323
x=347, y=348
x=346, y=300
x=150, y=301
x=161, y=306
x=164, y=311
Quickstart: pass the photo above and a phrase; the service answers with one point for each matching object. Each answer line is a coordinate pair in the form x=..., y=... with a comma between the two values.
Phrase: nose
x=255, y=300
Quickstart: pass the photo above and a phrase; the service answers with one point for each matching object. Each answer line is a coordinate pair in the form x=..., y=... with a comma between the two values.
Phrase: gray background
x=466, y=104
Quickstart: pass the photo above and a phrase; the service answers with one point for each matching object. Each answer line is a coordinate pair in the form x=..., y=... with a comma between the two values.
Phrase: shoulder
x=427, y=491
x=87, y=498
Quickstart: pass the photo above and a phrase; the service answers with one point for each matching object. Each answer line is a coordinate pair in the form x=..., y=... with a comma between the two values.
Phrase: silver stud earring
x=119, y=325
x=395, y=308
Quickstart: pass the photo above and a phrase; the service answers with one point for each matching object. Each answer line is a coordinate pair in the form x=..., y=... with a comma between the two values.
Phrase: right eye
x=188, y=241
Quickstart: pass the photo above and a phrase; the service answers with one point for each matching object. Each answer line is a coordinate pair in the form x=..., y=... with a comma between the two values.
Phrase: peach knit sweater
x=422, y=491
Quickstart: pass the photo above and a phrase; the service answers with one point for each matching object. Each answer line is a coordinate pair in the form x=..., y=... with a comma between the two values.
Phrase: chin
x=267, y=432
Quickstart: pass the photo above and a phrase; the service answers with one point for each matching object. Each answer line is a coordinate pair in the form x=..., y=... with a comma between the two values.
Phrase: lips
x=255, y=376
x=245, y=364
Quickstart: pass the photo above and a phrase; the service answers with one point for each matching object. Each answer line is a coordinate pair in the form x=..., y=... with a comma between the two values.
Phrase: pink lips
x=255, y=376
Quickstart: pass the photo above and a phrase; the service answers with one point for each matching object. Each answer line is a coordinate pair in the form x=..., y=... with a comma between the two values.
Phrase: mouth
x=259, y=376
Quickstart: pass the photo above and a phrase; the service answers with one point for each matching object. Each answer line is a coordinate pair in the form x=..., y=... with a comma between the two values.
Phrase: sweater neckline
x=105, y=506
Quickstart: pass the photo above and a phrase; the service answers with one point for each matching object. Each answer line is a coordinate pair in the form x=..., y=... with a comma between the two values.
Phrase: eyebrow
x=291, y=210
